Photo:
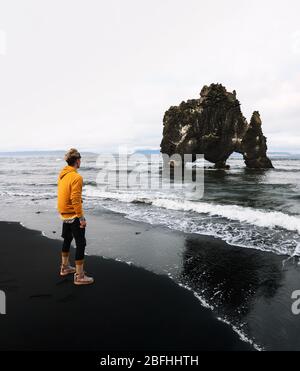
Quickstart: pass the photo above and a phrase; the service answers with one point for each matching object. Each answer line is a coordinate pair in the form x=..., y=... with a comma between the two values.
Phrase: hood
x=66, y=170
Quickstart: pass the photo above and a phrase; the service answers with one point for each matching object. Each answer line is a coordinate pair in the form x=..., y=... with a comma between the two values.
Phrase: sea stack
x=214, y=125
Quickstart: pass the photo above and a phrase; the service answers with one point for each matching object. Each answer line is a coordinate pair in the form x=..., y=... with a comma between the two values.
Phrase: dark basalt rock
x=215, y=126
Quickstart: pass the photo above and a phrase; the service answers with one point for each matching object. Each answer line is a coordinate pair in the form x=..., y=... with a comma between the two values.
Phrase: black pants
x=70, y=231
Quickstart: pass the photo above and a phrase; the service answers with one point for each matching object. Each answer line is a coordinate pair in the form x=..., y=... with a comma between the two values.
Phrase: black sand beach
x=128, y=308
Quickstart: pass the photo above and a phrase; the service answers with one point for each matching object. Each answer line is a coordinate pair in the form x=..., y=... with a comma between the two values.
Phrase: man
x=70, y=208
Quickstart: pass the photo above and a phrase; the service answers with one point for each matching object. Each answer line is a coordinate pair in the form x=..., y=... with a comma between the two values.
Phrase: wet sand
x=128, y=308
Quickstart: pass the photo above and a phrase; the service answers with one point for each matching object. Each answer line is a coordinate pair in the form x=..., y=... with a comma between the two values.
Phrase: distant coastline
x=60, y=153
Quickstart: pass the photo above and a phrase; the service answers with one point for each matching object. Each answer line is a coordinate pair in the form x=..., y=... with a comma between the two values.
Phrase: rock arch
x=214, y=125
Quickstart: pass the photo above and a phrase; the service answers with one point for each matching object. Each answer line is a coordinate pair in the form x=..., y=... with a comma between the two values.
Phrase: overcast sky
x=97, y=74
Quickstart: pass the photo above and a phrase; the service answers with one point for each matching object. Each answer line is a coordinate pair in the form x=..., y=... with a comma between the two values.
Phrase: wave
x=295, y=197
x=257, y=217
x=35, y=196
x=91, y=168
x=286, y=169
x=40, y=184
x=90, y=183
x=90, y=191
x=260, y=218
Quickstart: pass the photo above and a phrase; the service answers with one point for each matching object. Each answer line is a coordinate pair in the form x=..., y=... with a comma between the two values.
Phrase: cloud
x=98, y=74
x=3, y=43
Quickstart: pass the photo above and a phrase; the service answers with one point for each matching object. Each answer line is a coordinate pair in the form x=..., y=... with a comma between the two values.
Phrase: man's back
x=69, y=202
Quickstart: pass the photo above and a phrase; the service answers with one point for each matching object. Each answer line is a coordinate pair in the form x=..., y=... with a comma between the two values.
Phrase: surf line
x=295, y=257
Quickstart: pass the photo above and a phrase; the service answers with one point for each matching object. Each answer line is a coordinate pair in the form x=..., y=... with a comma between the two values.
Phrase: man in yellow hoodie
x=74, y=224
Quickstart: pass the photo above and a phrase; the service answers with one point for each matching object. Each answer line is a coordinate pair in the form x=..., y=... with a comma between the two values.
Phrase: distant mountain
x=279, y=153
x=273, y=156
x=60, y=154
x=284, y=156
x=148, y=151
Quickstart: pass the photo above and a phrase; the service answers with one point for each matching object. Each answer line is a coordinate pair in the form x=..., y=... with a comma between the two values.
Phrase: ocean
x=247, y=208
x=253, y=214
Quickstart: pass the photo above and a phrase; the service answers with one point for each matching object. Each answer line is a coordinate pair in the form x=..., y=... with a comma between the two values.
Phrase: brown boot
x=82, y=279
x=65, y=270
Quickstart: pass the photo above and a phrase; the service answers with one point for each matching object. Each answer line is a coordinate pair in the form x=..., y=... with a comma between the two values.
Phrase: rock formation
x=215, y=126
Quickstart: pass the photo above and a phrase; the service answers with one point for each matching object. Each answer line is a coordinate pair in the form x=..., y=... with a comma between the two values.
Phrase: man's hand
x=83, y=223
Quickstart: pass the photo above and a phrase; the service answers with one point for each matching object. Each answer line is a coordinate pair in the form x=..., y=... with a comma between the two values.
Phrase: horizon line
x=133, y=151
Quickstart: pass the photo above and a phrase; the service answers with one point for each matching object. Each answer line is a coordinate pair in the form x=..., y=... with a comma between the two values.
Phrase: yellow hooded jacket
x=69, y=200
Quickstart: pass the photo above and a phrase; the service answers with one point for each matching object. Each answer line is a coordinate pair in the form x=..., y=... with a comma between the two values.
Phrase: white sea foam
x=297, y=251
x=241, y=334
x=205, y=304
x=237, y=330
x=135, y=197
x=260, y=218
